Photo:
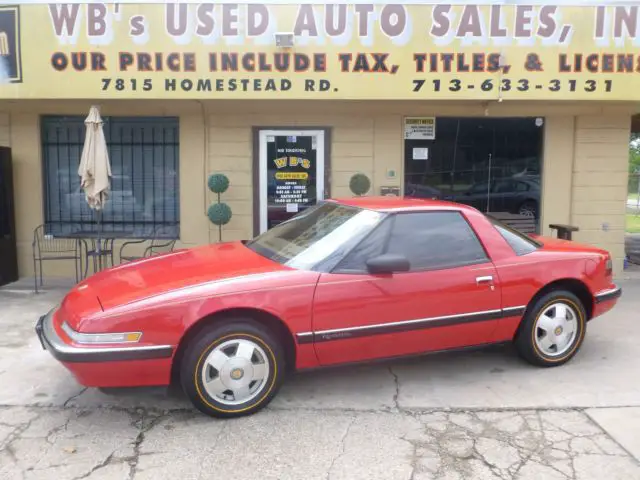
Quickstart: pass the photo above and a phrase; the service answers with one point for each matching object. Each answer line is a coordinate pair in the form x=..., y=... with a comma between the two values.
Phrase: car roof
x=393, y=203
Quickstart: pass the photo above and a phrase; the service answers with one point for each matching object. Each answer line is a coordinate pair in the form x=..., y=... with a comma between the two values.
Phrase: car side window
x=479, y=188
x=520, y=244
x=372, y=246
x=435, y=240
x=430, y=241
x=504, y=186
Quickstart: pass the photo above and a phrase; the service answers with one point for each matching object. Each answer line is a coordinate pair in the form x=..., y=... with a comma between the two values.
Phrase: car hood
x=178, y=270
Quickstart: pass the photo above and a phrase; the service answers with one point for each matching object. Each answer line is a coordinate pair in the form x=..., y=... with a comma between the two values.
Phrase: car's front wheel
x=552, y=330
x=233, y=368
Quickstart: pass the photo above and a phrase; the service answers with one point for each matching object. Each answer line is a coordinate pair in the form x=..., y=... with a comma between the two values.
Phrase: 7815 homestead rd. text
x=215, y=85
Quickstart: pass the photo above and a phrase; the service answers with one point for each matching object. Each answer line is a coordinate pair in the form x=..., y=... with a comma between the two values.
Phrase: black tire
x=529, y=207
x=525, y=341
x=109, y=390
x=193, y=364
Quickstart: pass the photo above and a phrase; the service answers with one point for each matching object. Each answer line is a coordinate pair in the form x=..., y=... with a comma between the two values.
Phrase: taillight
x=609, y=266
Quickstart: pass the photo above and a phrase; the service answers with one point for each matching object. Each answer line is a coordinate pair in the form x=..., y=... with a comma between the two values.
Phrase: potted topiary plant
x=359, y=184
x=219, y=213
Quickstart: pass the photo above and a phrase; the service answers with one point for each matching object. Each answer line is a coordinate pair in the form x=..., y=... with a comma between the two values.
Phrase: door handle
x=484, y=280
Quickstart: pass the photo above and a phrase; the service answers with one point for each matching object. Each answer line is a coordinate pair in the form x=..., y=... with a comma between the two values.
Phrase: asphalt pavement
x=475, y=415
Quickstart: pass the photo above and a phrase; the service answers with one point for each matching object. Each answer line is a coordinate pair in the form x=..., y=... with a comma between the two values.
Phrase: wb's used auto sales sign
x=407, y=51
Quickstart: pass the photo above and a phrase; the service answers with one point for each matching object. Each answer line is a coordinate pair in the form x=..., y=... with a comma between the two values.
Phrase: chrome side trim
x=514, y=311
x=68, y=353
x=407, y=325
x=407, y=322
x=609, y=294
x=304, y=337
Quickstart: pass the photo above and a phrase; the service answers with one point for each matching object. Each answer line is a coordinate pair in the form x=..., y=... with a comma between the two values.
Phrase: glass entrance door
x=291, y=173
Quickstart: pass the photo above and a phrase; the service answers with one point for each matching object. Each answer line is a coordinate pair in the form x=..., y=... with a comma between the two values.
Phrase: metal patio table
x=99, y=246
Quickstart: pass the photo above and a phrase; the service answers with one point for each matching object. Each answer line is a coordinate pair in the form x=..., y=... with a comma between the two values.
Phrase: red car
x=344, y=281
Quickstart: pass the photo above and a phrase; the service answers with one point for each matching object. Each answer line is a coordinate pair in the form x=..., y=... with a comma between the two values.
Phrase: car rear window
x=519, y=242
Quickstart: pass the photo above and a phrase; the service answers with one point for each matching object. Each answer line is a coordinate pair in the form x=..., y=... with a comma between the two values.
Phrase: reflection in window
x=492, y=164
x=521, y=244
x=434, y=240
x=144, y=195
x=372, y=246
x=317, y=237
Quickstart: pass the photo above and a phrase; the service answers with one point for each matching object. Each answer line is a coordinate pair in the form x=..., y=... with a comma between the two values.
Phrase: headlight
x=91, y=338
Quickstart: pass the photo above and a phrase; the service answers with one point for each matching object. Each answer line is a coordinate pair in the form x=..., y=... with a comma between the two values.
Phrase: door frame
x=259, y=186
x=9, y=268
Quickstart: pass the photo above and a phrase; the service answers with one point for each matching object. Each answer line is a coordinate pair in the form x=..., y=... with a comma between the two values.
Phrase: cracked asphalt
x=480, y=415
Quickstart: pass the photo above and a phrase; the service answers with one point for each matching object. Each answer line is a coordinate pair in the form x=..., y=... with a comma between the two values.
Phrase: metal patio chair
x=49, y=248
x=160, y=242
x=101, y=258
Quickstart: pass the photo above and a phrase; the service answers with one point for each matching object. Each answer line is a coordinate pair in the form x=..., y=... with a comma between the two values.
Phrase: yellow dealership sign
x=340, y=51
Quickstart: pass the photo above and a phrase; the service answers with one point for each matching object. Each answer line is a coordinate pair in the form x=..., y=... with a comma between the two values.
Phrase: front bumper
x=609, y=294
x=66, y=352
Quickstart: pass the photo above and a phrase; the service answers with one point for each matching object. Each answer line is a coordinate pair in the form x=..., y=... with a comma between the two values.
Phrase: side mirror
x=388, y=263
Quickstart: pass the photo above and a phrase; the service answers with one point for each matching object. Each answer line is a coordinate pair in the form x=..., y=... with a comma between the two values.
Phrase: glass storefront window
x=492, y=164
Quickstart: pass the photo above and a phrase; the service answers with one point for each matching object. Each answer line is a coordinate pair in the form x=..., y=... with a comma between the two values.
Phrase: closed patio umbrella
x=95, y=170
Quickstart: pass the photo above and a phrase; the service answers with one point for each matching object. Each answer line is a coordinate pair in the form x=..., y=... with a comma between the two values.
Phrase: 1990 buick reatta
x=344, y=281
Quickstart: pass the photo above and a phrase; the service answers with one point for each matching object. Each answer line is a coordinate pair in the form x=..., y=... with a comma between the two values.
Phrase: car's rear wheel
x=529, y=209
x=552, y=330
x=233, y=368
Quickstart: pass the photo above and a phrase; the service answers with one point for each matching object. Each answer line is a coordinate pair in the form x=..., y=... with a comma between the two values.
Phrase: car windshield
x=320, y=235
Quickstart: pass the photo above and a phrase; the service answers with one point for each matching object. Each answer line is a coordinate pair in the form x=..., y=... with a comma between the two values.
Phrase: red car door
x=450, y=296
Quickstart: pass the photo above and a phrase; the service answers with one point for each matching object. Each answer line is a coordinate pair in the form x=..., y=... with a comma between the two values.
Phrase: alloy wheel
x=235, y=371
x=556, y=329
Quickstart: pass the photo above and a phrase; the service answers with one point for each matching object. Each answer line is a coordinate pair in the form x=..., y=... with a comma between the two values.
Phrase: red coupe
x=345, y=281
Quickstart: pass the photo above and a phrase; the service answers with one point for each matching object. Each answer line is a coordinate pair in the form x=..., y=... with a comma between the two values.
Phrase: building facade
x=512, y=108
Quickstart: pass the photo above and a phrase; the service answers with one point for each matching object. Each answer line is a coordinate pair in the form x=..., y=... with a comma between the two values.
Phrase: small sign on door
x=421, y=154
x=423, y=128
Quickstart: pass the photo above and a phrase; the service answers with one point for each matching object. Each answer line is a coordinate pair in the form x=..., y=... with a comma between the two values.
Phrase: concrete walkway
x=482, y=415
